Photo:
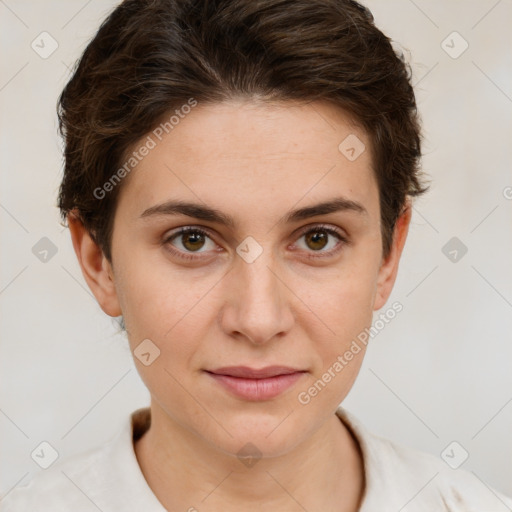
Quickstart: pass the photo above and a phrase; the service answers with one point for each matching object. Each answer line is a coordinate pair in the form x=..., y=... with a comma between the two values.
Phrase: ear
x=389, y=266
x=96, y=269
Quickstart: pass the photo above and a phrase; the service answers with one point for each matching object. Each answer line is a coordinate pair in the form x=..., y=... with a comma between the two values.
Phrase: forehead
x=240, y=155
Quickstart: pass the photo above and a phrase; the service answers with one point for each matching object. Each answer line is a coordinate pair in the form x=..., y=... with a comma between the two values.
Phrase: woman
x=238, y=185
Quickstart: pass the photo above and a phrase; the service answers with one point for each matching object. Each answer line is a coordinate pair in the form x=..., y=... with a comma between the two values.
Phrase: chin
x=268, y=435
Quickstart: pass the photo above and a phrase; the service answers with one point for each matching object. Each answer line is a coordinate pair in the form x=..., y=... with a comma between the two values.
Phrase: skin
x=255, y=162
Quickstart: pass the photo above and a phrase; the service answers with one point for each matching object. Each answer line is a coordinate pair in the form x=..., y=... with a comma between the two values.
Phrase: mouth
x=256, y=384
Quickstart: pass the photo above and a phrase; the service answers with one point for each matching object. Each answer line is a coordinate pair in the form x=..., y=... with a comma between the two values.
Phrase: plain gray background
x=439, y=372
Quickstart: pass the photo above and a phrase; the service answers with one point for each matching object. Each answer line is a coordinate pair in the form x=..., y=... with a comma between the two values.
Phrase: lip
x=256, y=384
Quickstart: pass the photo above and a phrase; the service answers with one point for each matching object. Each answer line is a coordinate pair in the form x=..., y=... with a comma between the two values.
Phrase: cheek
x=153, y=298
x=171, y=310
x=169, y=317
x=344, y=299
x=338, y=339
x=338, y=331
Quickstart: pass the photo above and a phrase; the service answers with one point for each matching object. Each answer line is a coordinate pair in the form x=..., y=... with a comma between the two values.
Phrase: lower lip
x=257, y=389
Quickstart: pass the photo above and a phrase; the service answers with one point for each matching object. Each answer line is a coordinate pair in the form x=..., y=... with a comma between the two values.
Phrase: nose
x=257, y=305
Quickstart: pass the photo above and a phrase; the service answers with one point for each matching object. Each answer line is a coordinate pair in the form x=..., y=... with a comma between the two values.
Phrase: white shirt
x=108, y=478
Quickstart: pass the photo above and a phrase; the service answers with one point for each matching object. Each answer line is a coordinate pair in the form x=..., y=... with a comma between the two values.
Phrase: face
x=249, y=283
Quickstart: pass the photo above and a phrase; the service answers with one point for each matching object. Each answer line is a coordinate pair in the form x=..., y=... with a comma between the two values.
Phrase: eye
x=317, y=238
x=189, y=240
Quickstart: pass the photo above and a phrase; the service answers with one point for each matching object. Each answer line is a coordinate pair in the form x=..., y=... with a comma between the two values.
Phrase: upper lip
x=253, y=373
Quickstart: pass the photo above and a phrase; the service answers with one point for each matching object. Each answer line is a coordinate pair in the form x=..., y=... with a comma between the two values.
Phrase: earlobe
x=389, y=267
x=96, y=269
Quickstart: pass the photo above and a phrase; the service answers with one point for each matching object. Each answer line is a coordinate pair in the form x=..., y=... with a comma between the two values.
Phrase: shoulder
x=402, y=478
x=106, y=478
x=58, y=487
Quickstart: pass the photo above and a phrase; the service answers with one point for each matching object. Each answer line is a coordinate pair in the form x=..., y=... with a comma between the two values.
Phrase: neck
x=323, y=473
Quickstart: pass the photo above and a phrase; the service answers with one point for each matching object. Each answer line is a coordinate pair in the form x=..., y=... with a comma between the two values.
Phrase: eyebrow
x=206, y=213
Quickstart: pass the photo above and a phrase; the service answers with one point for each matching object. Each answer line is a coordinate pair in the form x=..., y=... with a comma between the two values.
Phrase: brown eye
x=317, y=239
x=192, y=241
x=189, y=241
x=326, y=241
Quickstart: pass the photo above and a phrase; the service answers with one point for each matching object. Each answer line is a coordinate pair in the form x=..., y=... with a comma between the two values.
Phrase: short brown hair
x=151, y=56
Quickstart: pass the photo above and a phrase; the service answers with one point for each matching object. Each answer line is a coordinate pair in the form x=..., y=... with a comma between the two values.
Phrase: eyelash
x=320, y=227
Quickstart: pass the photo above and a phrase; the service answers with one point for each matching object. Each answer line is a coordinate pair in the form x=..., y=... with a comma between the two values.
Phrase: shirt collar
x=141, y=494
